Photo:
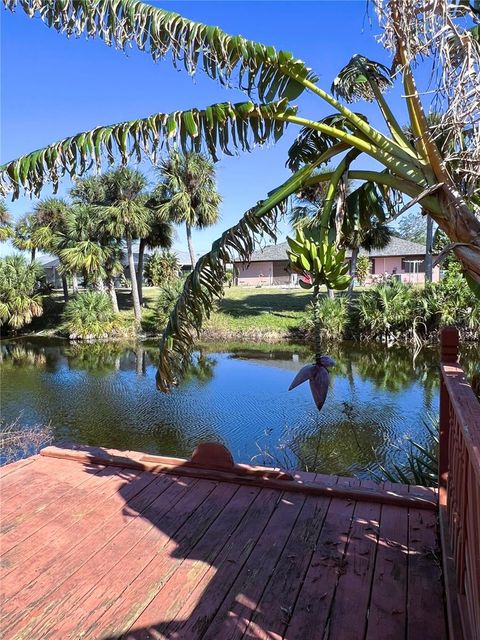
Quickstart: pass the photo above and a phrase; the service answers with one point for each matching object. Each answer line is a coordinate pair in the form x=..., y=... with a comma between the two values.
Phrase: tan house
x=401, y=258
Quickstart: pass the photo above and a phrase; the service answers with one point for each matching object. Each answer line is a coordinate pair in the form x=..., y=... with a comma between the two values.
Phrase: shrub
x=450, y=301
x=90, y=316
x=330, y=315
x=385, y=311
x=161, y=268
x=363, y=269
x=20, y=291
x=167, y=297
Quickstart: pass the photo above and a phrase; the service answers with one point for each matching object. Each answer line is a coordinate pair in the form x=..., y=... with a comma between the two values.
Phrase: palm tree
x=50, y=215
x=190, y=189
x=78, y=247
x=126, y=215
x=377, y=236
x=26, y=237
x=276, y=79
x=158, y=236
x=20, y=300
x=6, y=228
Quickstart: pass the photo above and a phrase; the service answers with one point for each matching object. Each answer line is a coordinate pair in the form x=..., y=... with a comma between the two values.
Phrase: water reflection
x=104, y=394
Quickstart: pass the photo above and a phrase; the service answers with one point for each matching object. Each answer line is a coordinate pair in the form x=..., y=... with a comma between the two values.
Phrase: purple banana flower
x=317, y=376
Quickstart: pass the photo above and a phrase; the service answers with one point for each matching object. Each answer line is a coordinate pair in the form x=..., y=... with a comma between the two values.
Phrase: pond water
x=104, y=394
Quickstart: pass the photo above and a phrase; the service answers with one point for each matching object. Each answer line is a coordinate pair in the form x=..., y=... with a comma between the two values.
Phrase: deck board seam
x=269, y=579
x=71, y=553
x=377, y=542
x=140, y=612
x=117, y=532
x=240, y=569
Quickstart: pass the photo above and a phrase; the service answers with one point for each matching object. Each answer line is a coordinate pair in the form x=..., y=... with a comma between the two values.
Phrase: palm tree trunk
x=428, y=250
x=141, y=253
x=353, y=269
x=65, y=288
x=74, y=283
x=191, y=250
x=137, y=310
x=32, y=255
x=112, y=293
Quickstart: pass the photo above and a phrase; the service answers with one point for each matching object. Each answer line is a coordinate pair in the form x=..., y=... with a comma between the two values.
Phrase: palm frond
x=222, y=126
x=355, y=80
x=251, y=66
x=205, y=282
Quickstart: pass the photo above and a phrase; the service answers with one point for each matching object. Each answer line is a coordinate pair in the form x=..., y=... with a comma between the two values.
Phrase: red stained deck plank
x=194, y=617
x=233, y=616
x=153, y=560
x=43, y=620
x=13, y=467
x=41, y=480
x=23, y=536
x=167, y=603
x=93, y=532
x=388, y=605
x=311, y=610
x=347, y=622
x=425, y=584
x=274, y=610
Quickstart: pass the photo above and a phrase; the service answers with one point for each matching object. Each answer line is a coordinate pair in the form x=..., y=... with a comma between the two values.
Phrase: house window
x=413, y=264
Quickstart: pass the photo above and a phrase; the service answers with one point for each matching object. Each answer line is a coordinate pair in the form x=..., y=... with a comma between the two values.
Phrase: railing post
x=448, y=355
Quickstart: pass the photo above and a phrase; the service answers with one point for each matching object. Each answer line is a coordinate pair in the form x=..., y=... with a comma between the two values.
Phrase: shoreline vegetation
x=395, y=314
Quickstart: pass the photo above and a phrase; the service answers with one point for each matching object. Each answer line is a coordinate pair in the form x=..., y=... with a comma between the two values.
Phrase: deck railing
x=459, y=476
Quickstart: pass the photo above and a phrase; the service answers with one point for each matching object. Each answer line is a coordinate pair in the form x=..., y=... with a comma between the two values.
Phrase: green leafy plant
x=407, y=170
x=421, y=466
x=90, y=316
x=363, y=269
x=329, y=316
x=161, y=268
x=167, y=298
x=21, y=287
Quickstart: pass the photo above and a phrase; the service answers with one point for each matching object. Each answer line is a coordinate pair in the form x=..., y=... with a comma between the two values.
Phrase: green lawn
x=259, y=310
x=243, y=312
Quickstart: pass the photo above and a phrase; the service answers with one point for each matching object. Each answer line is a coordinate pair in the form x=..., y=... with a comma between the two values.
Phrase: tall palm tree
x=6, y=228
x=159, y=236
x=126, y=215
x=26, y=237
x=188, y=184
x=78, y=247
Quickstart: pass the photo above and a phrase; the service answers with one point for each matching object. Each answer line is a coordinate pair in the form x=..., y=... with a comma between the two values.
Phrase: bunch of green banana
x=317, y=261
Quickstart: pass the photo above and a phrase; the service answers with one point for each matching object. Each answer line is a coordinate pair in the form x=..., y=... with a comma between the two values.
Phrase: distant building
x=50, y=265
x=401, y=258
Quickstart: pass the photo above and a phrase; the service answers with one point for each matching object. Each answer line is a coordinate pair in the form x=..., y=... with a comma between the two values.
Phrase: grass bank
x=267, y=314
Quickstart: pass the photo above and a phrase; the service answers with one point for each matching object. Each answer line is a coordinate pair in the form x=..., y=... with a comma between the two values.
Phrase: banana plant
x=319, y=263
x=414, y=169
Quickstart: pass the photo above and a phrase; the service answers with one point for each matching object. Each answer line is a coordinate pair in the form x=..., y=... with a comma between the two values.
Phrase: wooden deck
x=136, y=548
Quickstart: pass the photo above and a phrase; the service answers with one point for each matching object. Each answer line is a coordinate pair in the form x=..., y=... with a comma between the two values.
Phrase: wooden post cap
x=449, y=344
x=212, y=455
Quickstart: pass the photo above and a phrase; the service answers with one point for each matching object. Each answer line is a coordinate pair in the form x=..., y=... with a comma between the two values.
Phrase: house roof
x=396, y=247
x=48, y=261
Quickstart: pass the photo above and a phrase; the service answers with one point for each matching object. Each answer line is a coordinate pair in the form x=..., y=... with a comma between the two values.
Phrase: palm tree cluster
x=112, y=211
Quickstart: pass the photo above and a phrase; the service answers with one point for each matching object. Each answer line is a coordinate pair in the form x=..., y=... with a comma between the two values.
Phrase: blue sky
x=52, y=87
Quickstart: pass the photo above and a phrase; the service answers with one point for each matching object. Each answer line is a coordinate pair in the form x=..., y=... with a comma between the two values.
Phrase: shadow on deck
x=100, y=545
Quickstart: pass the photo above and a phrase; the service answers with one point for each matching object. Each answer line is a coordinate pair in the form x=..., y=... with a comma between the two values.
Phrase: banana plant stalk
x=316, y=374
x=319, y=263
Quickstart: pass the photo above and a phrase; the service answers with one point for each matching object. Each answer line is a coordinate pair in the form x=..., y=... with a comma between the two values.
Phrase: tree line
x=106, y=215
